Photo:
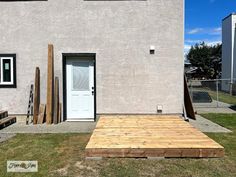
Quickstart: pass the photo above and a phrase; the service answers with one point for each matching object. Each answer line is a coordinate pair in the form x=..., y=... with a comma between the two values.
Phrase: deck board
x=149, y=136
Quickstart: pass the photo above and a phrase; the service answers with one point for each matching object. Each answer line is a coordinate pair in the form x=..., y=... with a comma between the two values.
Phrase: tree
x=207, y=59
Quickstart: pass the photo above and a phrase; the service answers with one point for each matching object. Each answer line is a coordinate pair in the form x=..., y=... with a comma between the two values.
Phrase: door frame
x=64, y=59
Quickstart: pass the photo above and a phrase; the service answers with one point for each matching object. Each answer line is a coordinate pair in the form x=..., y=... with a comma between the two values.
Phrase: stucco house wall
x=129, y=79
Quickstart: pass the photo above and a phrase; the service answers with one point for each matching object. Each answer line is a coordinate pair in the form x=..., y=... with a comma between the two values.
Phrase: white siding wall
x=234, y=44
x=228, y=50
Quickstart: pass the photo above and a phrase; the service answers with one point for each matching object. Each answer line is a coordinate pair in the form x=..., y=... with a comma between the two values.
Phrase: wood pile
x=51, y=111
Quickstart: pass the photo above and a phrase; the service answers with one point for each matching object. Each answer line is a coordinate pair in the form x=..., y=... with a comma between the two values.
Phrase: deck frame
x=140, y=136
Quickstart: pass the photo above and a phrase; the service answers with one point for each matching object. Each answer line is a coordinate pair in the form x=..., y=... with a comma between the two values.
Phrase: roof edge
x=233, y=13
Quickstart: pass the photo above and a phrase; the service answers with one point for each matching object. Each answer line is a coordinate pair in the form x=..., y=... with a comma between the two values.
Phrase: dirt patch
x=80, y=165
x=62, y=171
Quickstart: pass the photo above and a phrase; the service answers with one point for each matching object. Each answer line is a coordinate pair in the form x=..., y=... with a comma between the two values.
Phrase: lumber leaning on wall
x=188, y=101
x=50, y=76
x=41, y=117
x=36, y=95
x=59, y=116
x=56, y=101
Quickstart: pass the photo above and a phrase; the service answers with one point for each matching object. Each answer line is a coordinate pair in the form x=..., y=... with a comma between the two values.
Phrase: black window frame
x=13, y=56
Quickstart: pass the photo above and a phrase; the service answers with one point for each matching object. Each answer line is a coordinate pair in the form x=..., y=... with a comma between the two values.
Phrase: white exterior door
x=80, y=88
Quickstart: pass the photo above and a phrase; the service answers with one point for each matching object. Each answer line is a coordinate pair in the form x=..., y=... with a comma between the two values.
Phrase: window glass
x=6, y=70
x=80, y=76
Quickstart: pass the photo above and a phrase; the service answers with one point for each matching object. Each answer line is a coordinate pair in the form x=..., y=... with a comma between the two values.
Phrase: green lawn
x=223, y=97
x=63, y=155
x=227, y=140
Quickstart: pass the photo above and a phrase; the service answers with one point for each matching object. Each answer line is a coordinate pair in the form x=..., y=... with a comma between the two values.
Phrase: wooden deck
x=149, y=136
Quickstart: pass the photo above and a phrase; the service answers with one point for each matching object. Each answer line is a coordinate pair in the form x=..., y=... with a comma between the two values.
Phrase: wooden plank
x=56, y=101
x=3, y=114
x=130, y=136
x=150, y=142
x=36, y=95
x=156, y=133
x=7, y=121
x=149, y=152
x=188, y=101
x=150, y=117
x=60, y=113
x=50, y=78
x=42, y=112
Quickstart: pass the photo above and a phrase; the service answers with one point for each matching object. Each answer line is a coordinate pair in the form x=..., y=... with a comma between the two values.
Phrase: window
x=7, y=71
x=80, y=76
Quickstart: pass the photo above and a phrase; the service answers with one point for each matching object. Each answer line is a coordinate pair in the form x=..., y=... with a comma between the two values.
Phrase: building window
x=7, y=71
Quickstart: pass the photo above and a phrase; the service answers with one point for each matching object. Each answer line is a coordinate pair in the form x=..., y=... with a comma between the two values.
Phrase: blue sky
x=203, y=20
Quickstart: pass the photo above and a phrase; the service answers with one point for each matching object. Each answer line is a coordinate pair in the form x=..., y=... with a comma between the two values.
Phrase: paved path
x=213, y=104
x=206, y=125
x=201, y=123
x=6, y=136
x=64, y=127
x=213, y=108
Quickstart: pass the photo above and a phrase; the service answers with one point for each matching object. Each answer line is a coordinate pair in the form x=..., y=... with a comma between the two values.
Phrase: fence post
x=217, y=92
x=190, y=88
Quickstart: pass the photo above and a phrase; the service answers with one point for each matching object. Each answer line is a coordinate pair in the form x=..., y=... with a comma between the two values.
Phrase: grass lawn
x=63, y=155
x=223, y=97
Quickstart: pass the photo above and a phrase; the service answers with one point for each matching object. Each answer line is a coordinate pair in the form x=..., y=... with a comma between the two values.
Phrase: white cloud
x=210, y=43
x=192, y=41
x=189, y=43
x=195, y=31
x=209, y=31
x=215, y=31
x=207, y=41
x=186, y=48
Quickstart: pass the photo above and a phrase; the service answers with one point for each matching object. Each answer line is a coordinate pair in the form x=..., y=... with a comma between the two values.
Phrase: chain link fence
x=213, y=93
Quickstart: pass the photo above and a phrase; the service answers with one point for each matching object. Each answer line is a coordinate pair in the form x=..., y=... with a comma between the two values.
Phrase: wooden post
x=59, y=117
x=188, y=101
x=50, y=76
x=56, y=101
x=36, y=95
x=41, y=117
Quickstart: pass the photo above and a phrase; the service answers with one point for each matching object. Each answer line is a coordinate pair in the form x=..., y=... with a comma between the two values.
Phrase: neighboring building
x=117, y=57
x=228, y=51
